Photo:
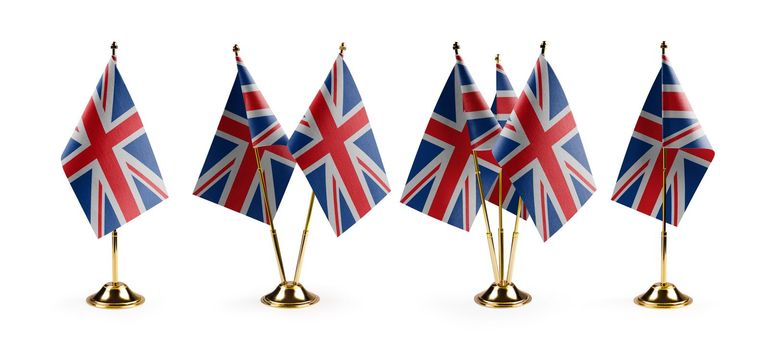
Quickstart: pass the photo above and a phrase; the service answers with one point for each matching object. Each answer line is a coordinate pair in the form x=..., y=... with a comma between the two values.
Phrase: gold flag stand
x=664, y=294
x=288, y=294
x=115, y=294
x=502, y=293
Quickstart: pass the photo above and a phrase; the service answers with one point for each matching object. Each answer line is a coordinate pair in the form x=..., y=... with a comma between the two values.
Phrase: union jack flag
x=668, y=123
x=230, y=176
x=502, y=108
x=108, y=160
x=335, y=147
x=442, y=182
x=542, y=155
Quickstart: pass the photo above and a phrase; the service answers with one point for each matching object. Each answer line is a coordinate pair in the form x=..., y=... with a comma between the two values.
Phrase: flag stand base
x=506, y=296
x=115, y=295
x=290, y=295
x=663, y=296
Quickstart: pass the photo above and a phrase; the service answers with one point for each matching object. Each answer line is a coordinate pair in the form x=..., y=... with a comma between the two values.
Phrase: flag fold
x=230, y=175
x=108, y=160
x=442, y=181
x=666, y=123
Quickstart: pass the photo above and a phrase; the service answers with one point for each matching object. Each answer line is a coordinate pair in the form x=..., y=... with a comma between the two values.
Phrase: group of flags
x=113, y=171
x=531, y=141
x=529, y=145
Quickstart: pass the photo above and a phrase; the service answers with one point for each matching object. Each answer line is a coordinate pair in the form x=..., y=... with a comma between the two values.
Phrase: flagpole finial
x=497, y=59
x=114, y=47
x=456, y=47
x=663, y=47
x=236, y=49
x=542, y=48
x=342, y=48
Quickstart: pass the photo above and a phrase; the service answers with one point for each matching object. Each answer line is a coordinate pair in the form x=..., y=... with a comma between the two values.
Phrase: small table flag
x=109, y=161
x=502, y=108
x=230, y=176
x=335, y=147
x=442, y=182
x=542, y=155
x=666, y=122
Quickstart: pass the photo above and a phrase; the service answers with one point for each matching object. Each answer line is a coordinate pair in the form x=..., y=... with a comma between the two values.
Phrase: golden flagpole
x=273, y=232
x=663, y=295
x=266, y=202
x=490, y=241
x=502, y=293
x=115, y=294
x=288, y=294
x=663, y=232
x=115, y=256
x=301, y=255
x=514, y=239
x=500, y=231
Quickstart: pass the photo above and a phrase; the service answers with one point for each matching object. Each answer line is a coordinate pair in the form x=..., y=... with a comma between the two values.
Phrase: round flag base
x=505, y=296
x=663, y=296
x=290, y=295
x=115, y=295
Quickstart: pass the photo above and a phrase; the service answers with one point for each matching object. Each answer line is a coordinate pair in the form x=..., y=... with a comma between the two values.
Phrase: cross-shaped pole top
x=236, y=49
x=456, y=47
x=497, y=58
x=342, y=48
x=663, y=47
x=542, y=48
x=114, y=47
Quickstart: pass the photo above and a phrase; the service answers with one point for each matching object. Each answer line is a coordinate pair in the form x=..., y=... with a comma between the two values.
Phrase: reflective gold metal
x=290, y=295
x=490, y=241
x=301, y=255
x=501, y=294
x=514, y=240
x=663, y=295
x=115, y=294
x=504, y=296
x=273, y=233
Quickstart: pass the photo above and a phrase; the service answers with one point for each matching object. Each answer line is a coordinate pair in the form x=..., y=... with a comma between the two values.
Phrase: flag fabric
x=442, y=181
x=668, y=123
x=108, y=160
x=542, y=154
x=230, y=175
x=335, y=147
x=502, y=108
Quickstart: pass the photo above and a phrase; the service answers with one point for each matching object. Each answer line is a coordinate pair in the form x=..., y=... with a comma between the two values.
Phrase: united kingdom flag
x=666, y=123
x=108, y=160
x=502, y=108
x=442, y=182
x=230, y=175
x=542, y=155
x=335, y=147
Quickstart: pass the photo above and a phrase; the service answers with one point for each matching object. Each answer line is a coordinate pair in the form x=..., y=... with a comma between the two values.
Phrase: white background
x=397, y=278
